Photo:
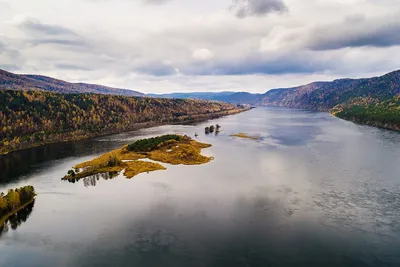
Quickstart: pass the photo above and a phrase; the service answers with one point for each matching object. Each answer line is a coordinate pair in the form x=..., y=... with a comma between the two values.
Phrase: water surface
x=314, y=191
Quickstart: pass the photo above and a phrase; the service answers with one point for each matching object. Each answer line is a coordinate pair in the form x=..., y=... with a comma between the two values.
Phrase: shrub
x=150, y=144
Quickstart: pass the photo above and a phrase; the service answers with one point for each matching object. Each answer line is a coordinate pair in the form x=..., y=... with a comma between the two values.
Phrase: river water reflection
x=314, y=191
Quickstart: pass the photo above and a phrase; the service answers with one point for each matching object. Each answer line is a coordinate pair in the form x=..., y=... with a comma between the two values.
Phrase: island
x=144, y=155
x=15, y=201
x=246, y=136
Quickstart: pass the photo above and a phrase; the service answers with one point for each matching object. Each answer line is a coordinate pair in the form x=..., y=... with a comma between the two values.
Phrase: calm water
x=315, y=191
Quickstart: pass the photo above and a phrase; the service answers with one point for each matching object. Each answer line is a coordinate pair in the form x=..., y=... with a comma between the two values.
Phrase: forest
x=14, y=200
x=150, y=144
x=32, y=118
x=370, y=111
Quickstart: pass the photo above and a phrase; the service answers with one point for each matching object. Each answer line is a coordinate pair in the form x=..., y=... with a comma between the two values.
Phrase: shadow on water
x=93, y=179
x=16, y=164
x=17, y=219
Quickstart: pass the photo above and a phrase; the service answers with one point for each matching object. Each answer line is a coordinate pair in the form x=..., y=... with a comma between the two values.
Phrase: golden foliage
x=246, y=136
x=136, y=167
x=186, y=152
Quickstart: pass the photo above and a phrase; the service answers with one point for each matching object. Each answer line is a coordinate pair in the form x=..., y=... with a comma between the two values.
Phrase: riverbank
x=372, y=112
x=376, y=124
x=14, y=201
x=7, y=216
x=66, y=137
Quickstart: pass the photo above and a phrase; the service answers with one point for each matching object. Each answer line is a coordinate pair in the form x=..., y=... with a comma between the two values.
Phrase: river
x=314, y=191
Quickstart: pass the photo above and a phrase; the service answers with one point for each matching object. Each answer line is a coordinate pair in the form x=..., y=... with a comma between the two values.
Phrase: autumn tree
x=13, y=199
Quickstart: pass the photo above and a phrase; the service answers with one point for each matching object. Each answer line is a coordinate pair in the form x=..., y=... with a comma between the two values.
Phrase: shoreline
x=374, y=124
x=4, y=219
x=138, y=126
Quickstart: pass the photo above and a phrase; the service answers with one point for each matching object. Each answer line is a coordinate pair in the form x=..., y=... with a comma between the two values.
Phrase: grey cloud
x=7, y=49
x=151, y=2
x=257, y=63
x=356, y=33
x=68, y=66
x=41, y=34
x=9, y=67
x=48, y=34
x=156, y=69
x=246, y=8
x=64, y=42
x=35, y=26
x=156, y=2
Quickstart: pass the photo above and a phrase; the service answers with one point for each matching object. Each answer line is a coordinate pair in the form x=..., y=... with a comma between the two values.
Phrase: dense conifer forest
x=30, y=118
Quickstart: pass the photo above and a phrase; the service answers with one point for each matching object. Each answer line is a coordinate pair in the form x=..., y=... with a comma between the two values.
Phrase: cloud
x=35, y=26
x=246, y=8
x=156, y=2
x=54, y=41
x=48, y=34
x=10, y=58
x=127, y=43
x=68, y=66
x=356, y=32
x=9, y=67
x=202, y=54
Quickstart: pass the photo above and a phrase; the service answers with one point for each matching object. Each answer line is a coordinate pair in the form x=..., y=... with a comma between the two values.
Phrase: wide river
x=314, y=191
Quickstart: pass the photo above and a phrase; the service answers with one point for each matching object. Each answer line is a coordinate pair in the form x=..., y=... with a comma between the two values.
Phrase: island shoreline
x=4, y=219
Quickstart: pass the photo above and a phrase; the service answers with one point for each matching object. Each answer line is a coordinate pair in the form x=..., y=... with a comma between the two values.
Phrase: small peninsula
x=144, y=155
x=14, y=201
x=245, y=136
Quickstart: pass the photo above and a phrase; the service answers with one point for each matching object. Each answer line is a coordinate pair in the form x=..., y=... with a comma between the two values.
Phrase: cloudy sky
x=200, y=45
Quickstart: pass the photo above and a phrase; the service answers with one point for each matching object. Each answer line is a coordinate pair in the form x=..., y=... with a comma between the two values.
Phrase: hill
x=370, y=111
x=194, y=95
x=324, y=96
x=31, y=118
x=11, y=81
x=229, y=97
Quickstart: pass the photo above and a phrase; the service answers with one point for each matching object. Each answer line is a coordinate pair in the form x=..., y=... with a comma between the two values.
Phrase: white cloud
x=191, y=45
x=202, y=54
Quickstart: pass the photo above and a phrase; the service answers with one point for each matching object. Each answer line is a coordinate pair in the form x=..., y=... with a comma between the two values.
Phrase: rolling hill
x=30, y=118
x=11, y=81
x=323, y=96
x=349, y=95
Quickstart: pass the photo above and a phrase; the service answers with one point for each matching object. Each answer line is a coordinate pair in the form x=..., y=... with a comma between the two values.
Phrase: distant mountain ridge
x=322, y=96
x=11, y=81
x=373, y=101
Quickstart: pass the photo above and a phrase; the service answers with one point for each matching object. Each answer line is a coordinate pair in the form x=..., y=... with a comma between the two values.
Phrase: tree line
x=372, y=112
x=14, y=199
x=30, y=118
x=150, y=144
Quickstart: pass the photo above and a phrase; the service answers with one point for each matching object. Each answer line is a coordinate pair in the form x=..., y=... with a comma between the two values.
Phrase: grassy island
x=131, y=159
x=14, y=201
x=246, y=136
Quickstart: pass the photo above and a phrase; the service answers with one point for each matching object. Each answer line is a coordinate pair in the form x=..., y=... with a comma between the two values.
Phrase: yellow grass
x=186, y=152
x=136, y=167
x=246, y=136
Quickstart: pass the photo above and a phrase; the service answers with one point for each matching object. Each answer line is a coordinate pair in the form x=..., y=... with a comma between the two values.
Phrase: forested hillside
x=11, y=81
x=29, y=118
x=325, y=95
x=370, y=111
